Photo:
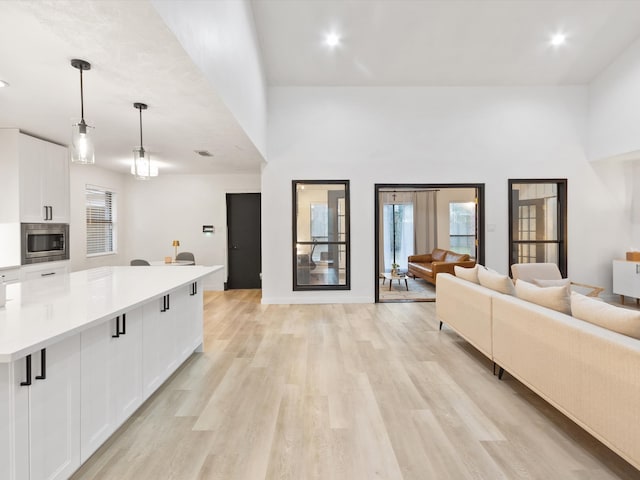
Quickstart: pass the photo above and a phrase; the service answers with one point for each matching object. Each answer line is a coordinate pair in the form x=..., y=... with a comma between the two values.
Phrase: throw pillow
x=469, y=274
x=618, y=319
x=563, y=282
x=495, y=281
x=555, y=298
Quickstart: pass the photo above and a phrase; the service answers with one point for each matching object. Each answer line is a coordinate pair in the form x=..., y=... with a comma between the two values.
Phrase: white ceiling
x=135, y=57
x=442, y=42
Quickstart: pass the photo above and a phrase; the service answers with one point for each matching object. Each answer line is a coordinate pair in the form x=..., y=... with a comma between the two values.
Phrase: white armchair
x=529, y=272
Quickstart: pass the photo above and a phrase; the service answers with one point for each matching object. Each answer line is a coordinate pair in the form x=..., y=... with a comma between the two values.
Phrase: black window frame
x=295, y=242
x=562, y=240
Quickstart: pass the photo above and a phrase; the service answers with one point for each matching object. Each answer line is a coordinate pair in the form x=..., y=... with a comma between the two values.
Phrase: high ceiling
x=136, y=58
x=442, y=42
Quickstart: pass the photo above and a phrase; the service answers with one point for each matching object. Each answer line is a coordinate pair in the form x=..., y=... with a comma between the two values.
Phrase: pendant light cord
x=81, y=97
x=140, y=110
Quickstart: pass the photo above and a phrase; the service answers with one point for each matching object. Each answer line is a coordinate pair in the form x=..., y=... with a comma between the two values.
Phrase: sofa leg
x=500, y=373
x=494, y=369
x=440, y=325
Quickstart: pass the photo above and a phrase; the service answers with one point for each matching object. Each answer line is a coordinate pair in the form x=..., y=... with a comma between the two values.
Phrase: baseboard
x=312, y=300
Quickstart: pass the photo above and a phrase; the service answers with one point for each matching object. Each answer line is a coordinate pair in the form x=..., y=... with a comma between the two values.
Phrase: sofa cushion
x=555, y=298
x=563, y=282
x=618, y=319
x=469, y=274
x=438, y=254
x=495, y=281
x=456, y=257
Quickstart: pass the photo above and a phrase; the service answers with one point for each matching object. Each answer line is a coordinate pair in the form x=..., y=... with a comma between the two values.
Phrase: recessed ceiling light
x=332, y=40
x=558, y=39
x=3, y=84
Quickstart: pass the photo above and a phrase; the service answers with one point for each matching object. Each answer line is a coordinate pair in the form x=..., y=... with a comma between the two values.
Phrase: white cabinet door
x=14, y=421
x=157, y=340
x=194, y=316
x=626, y=278
x=98, y=410
x=186, y=304
x=181, y=324
x=111, y=377
x=44, y=181
x=55, y=182
x=128, y=365
x=54, y=420
x=31, y=152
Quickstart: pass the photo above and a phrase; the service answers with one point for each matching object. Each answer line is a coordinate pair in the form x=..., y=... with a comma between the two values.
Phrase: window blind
x=100, y=221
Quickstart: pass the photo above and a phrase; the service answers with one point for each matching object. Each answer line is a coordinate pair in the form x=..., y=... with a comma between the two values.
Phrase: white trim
x=311, y=300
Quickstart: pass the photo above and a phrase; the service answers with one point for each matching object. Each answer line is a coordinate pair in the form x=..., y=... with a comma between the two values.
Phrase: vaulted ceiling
x=137, y=58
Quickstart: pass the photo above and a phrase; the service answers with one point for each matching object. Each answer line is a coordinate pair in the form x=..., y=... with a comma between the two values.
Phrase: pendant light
x=82, y=151
x=142, y=168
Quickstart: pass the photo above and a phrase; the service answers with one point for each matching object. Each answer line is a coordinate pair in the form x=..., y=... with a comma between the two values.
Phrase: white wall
x=80, y=177
x=614, y=116
x=220, y=38
x=175, y=207
x=436, y=135
x=614, y=108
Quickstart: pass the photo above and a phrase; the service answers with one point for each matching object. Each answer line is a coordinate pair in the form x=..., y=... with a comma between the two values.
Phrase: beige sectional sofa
x=589, y=373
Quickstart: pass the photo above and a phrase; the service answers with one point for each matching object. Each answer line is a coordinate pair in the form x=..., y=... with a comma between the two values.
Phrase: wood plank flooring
x=344, y=392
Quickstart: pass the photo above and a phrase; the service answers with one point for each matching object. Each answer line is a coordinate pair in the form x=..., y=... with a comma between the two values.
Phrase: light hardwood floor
x=344, y=392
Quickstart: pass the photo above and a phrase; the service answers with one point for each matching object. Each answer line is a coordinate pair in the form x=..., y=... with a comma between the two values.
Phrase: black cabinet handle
x=117, y=335
x=43, y=365
x=47, y=274
x=194, y=289
x=164, y=304
x=46, y=212
x=124, y=324
x=28, y=382
x=50, y=212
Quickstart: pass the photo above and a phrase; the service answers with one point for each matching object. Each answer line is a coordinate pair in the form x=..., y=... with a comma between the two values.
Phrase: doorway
x=412, y=219
x=244, y=241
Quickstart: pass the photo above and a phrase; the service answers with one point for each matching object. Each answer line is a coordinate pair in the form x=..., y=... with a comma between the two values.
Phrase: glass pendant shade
x=153, y=168
x=142, y=167
x=82, y=151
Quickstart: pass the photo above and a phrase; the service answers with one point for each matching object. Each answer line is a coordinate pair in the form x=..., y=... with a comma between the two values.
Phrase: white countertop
x=42, y=311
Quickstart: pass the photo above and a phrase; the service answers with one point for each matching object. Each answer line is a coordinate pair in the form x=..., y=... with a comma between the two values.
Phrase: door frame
x=480, y=227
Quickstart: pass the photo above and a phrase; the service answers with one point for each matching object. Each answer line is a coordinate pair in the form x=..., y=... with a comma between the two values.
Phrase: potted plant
x=394, y=268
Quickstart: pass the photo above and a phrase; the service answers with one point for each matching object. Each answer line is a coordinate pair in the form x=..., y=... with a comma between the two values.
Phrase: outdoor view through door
x=537, y=222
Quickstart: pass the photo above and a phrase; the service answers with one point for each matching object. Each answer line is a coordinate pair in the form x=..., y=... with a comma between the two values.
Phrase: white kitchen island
x=79, y=353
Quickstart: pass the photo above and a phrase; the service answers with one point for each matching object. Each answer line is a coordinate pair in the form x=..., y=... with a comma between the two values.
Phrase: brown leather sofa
x=429, y=265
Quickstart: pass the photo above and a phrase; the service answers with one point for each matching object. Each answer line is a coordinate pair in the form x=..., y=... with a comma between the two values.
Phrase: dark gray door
x=243, y=236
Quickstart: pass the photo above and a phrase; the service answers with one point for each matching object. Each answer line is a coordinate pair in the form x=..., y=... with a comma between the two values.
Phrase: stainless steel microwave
x=44, y=242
